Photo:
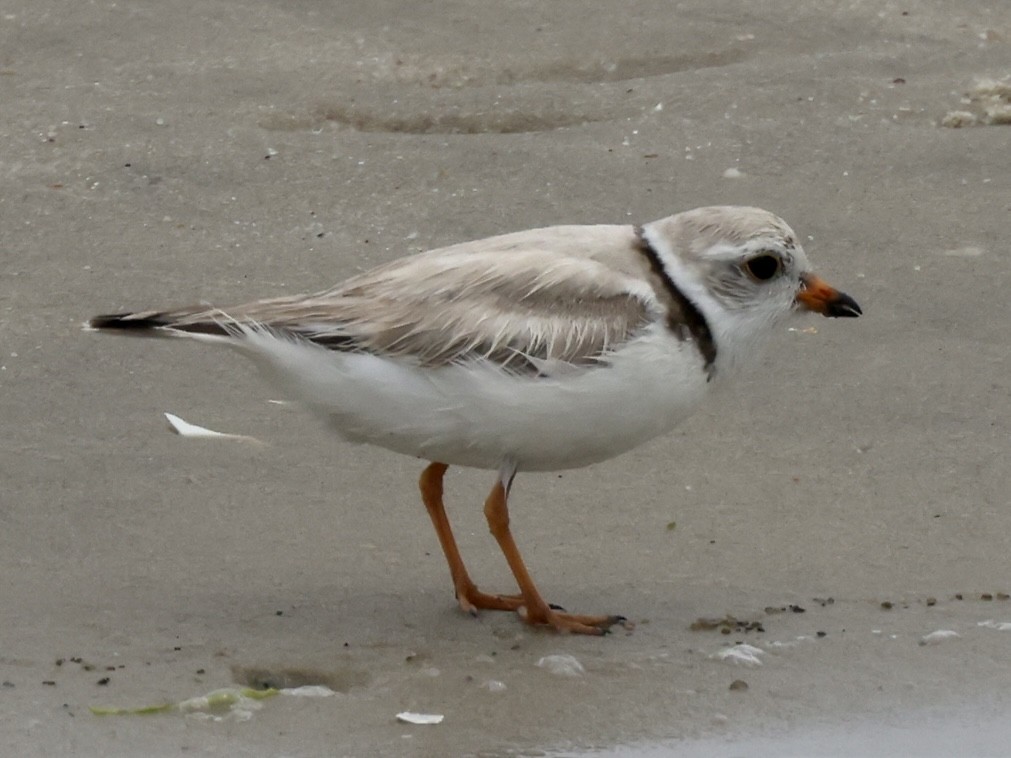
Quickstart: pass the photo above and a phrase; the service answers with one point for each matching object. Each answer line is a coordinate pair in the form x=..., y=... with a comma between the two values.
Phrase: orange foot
x=471, y=599
x=570, y=623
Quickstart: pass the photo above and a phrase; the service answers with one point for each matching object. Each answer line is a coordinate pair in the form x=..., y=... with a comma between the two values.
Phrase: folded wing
x=523, y=309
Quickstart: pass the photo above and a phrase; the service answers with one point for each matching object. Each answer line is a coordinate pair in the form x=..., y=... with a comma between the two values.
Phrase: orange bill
x=819, y=296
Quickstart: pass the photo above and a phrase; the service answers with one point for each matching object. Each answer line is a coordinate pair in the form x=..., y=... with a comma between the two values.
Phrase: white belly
x=478, y=416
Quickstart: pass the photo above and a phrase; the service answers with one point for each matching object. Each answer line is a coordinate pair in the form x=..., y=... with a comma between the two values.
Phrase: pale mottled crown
x=697, y=232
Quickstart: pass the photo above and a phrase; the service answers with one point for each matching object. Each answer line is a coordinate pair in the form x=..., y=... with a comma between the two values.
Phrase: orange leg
x=535, y=610
x=467, y=593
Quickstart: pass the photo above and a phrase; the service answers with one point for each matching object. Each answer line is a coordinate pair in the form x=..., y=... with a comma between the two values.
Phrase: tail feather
x=151, y=323
x=127, y=321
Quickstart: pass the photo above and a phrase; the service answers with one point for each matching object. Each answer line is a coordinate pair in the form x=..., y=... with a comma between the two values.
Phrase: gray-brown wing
x=522, y=309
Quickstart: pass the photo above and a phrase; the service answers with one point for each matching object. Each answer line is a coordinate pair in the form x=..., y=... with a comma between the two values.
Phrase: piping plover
x=541, y=350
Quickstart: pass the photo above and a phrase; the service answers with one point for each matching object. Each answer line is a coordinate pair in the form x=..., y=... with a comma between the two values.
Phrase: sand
x=166, y=153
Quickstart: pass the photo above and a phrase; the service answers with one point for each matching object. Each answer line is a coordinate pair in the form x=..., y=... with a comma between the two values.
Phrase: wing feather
x=518, y=304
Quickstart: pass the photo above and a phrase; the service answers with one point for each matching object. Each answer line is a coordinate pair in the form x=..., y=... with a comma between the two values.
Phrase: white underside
x=476, y=415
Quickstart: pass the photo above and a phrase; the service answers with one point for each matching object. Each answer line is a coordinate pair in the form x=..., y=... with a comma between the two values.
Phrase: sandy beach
x=839, y=511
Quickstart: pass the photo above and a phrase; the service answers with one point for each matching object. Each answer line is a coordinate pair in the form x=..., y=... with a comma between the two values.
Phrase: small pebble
x=410, y=717
x=887, y=605
x=936, y=638
x=738, y=685
x=741, y=655
x=1001, y=626
x=561, y=665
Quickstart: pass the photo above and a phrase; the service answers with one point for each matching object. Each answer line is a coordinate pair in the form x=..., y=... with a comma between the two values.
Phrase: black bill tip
x=843, y=306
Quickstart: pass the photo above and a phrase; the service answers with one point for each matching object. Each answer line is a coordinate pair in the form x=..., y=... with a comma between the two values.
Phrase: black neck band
x=684, y=318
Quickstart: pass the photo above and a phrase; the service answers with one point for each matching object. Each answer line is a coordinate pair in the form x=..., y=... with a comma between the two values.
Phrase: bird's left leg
x=535, y=610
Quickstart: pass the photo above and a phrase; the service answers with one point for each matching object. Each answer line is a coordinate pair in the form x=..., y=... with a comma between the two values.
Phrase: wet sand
x=166, y=153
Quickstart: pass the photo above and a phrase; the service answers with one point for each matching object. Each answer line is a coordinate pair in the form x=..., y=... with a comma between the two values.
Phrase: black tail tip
x=124, y=322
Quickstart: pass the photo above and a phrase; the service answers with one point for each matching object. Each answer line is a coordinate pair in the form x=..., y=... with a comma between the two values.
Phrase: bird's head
x=744, y=269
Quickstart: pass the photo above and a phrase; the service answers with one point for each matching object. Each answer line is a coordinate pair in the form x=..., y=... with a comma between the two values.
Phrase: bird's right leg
x=468, y=595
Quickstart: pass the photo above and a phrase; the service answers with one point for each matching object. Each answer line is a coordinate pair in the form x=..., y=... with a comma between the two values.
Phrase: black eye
x=763, y=267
